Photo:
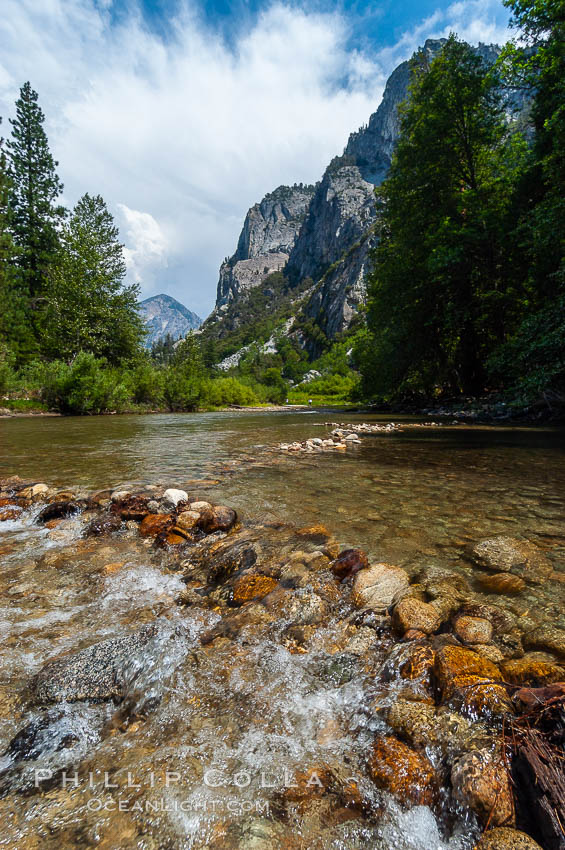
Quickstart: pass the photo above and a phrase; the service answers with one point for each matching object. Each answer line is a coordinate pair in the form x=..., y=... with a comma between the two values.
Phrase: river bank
x=260, y=664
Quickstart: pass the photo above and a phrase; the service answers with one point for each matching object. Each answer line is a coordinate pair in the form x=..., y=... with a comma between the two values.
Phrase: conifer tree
x=35, y=216
x=89, y=307
x=15, y=331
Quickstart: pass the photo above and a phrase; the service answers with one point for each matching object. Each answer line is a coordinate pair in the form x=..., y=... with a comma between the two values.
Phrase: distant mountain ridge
x=163, y=315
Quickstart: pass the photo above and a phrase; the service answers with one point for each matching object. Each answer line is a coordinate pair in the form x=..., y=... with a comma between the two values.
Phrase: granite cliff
x=163, y=315
x=321, y=237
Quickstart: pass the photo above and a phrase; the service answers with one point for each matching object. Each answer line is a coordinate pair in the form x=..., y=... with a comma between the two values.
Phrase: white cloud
x=146, y=244
x=181, y=138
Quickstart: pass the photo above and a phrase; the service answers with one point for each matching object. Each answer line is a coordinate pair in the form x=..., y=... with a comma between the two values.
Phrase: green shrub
x=86, y=386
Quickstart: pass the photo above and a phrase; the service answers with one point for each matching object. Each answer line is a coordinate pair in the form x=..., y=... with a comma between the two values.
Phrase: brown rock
x=316, y=533
x=480, y=782
x=219, y=518
x=10, y=513
x=33, y=492
x=470, y=682
x=411, y=613
x=58, y=510
x=419, y=664
x=103, y=525
x=400, y=770
x=154, y=524
x=251, y=587
x=473, y=629
x=349, y=562
x=174, y=537
x=131, y=508
x=508, y=555
x=503, y=583
x=532, y=672
x=188, y=520
x=376, y=586
x=546, y=638
x=503, y=838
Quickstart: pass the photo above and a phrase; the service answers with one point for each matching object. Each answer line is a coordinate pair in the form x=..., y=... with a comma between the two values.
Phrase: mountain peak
x=162, y=315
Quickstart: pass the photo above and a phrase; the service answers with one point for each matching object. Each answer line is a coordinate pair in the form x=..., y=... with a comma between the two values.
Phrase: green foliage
x=89, y=308
x=35, y=187
x=85, y=386
x=440, y=297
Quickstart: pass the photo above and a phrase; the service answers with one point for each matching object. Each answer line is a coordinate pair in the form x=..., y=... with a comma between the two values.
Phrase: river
x=249, y=708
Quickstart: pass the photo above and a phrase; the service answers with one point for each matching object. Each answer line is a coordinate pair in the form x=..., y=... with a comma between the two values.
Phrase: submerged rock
x=532, y=671
x=349, y=562
x=219, y=518
x=546, y=638
x=404, y=773
x=508, y=555
x=502, y=583
x=473, y=629
x=91, y=674
x=251, y=587
x=103, y=525
x=480, y=782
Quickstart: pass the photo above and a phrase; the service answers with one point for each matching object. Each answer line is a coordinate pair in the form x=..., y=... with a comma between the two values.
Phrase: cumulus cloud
x=182, y=135
x=146, y=244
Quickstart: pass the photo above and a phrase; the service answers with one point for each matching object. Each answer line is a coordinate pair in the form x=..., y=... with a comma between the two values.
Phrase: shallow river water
x=204, y=745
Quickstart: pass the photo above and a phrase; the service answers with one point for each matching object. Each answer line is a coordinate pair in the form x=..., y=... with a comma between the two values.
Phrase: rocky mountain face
x=164, y=315
x=269, y=233
x=326, y=233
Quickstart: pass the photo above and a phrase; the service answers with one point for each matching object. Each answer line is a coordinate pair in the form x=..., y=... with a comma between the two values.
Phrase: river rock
x=503, y=838
x=131, y=508
x=250, y=587
x=406, y=774
x=412, y=613
x=154, y=524
x=103, y=525
x=57, y=510
x=120, y=495
x=94, y=673
x=188, y=520
x=349, y=562
x=318, y=534
x=473, y=629
x=503, y=583
x=219, y=518
x=172, y=497
x=546, y=638
x=480, y=782
x=33, y=492
x=532, y=671
x=470, y=682
x=306, y=608
x=376, y=586
x=508, y=555
x=200, y=507
x=423, y=725
x=10, y=514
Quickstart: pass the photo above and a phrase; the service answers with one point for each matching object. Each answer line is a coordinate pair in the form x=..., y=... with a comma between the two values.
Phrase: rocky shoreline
x=463, y=695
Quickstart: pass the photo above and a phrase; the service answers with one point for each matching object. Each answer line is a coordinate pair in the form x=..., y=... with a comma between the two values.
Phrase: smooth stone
x=173, y=497
x=33, y=491
x=508, y=555
x=502, y=583
x=532, y=671
x=187, y=520
x=406, y=774
x=200, y=507
x=546, y=638
x=376, y=586
x=251, y=587
x=503, y=838
x=470, y=681
x=473, y=629
x=154, y=524
x=480, y=782
x=93, y=673
x=414, y=614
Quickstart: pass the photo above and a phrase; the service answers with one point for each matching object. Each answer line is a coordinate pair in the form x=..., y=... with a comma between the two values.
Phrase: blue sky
x=182, y=114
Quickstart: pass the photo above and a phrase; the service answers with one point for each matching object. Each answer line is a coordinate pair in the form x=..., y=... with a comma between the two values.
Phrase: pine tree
x=15, y=330
x=89, y=307
x=35, y=217
x=439, y=293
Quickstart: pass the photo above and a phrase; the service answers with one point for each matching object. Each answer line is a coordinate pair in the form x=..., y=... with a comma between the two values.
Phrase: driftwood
x=536, y=741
